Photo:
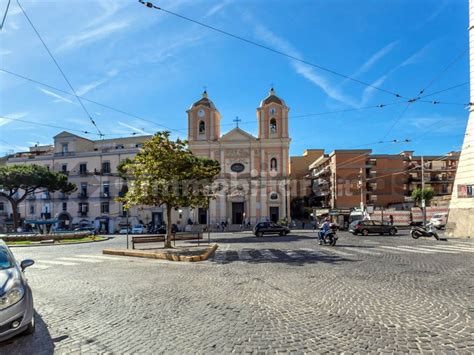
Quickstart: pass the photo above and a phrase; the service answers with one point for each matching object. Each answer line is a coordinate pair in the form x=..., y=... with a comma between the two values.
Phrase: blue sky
x=155, y=66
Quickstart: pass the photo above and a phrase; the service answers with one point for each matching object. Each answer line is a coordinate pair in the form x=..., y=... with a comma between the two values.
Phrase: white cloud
x=370, y=90
x=58, y=98
x=5, y=119
x=88, y=36
x=418, y=56
x=135, y=129
x=375, y=58
x=302, y=69
x=217, y=8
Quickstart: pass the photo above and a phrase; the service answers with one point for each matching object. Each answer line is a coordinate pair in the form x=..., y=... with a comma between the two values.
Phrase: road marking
x=100, y=257
x=244, y=255
x=362, y=251
x=450, y=247
x=411, y=250
x=388, y=250
x=39, y=267
x=332, y=250
x=427, y=248
x=80, y=260
x=268, y=254
x=56, y=262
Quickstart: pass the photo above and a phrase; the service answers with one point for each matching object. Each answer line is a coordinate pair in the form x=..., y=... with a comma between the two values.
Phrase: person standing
x=391, y=220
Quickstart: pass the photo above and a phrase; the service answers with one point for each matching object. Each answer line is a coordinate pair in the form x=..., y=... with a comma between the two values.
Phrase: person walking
x=391, y=220
x=304, y=224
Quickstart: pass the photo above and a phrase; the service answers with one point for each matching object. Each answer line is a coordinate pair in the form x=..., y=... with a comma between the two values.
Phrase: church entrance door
x=274, y=214
x=237, y=212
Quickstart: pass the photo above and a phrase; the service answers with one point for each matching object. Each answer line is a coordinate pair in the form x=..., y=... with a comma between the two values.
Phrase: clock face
x=201, y=113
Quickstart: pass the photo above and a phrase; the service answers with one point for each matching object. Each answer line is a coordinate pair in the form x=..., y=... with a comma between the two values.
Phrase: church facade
x=254, y=173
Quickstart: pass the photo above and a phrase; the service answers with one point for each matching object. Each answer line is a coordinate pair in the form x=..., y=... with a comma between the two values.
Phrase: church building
x=254, y=170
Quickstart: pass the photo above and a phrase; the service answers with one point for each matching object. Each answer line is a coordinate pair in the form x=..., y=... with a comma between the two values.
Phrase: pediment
x=237, y=134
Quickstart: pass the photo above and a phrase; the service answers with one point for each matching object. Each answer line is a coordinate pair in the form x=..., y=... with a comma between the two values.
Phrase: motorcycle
x=330, y=236
x=427, y=231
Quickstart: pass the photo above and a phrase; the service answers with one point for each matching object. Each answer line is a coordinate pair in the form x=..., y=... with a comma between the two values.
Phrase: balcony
x=64, y=154
x=106, y=195
x=65, y=172
x=82, y=214
x=82, y=195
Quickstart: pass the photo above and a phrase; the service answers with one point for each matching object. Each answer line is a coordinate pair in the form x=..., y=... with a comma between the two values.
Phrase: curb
x=57, y=244
x=163, y=256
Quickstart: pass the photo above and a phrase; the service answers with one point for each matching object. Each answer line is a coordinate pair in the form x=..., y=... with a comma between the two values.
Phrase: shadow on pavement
x=282, y=257
x=38, y=343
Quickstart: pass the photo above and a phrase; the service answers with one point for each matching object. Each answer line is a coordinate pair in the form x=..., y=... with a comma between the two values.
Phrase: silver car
x=16, y=299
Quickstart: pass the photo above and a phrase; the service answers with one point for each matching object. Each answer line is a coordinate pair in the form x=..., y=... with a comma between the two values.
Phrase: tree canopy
x=419, y=194
x=166, y=172
x=19, y=181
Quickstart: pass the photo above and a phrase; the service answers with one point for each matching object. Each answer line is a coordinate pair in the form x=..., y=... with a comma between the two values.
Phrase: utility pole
x=423, y=202
x=361, y=185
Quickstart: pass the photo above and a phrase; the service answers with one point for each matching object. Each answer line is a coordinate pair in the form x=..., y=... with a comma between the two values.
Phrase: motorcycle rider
x=325, y=227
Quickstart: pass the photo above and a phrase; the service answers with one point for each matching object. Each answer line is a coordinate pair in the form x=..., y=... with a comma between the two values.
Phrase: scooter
x=330, y=236
x=428, y=231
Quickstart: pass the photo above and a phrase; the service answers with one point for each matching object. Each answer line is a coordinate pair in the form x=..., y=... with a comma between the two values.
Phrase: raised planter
x=41, y=237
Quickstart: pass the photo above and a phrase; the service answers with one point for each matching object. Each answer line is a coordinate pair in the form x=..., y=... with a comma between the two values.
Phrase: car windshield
x=6, y=261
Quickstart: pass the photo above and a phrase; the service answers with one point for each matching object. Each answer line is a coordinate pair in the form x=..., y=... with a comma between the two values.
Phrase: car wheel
x=392, y=231
x=30, y=329
x=286, y=232
x=365, y=232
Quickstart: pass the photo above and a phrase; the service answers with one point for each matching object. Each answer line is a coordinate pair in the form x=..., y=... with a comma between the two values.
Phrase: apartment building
x=346, y=179
x=92, y=166
x=300, y=185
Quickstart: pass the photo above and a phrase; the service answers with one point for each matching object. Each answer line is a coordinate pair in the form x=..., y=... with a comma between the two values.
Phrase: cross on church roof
x=237, y=120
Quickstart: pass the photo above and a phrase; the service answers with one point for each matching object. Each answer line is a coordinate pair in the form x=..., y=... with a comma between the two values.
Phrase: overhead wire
x=276, y=51
x=60, y=69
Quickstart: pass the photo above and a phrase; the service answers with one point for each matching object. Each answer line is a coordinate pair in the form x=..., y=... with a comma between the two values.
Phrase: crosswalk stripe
x=388, y=250
x=100, y=257
x=362, y=251
x=411, y=250
x=244, y=255
x=39, y=266
x=80, y=260
x=427, y=248
x=268, y=254
x=56, y=262
x=449, y=247
x=336, y=251
x=292, y=254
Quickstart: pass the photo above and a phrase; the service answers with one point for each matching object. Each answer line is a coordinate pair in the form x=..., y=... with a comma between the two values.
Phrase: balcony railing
x=105, y=195
x=82, y=195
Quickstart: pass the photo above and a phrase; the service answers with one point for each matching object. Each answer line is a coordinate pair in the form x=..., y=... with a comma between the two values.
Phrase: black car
x=270, y=228
x=372, y=227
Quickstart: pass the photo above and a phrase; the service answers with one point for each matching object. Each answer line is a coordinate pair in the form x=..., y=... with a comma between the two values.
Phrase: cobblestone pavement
x=256, y=295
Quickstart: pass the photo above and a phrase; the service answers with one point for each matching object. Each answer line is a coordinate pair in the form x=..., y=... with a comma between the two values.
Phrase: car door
x=377, y=227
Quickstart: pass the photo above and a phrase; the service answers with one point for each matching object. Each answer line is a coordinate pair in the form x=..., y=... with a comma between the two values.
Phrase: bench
x=147, y=239
x=161, y=238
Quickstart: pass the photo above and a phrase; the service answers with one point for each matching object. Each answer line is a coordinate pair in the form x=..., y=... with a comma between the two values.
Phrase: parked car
x=162, y=229
x=91, y=230
x=138, y=229
x=16, y=298
x=371, y=227
x=438, y=220
x=270, y=228
x=125, y=230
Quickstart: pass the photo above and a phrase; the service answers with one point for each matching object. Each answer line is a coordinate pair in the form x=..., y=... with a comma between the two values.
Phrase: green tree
x=166, y=173
x=19, y=181
x=419, y=194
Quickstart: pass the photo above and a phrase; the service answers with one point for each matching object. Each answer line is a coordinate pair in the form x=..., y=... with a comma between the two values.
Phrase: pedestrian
x=304, y=224
x=391, y=220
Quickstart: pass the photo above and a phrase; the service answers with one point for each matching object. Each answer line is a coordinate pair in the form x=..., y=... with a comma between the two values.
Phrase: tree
x=19, y=181
x=419, y=194
x=166, y=173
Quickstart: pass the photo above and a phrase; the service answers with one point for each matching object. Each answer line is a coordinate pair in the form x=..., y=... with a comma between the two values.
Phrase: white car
x=124, y=230
x=138, y=229
x=439, y=220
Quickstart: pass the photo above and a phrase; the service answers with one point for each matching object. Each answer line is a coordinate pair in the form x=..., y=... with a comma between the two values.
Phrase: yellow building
x=254, y=170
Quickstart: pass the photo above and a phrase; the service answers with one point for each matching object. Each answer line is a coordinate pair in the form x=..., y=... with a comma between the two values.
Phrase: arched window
x=202, y=127
x=273, y=126
x=273, y=164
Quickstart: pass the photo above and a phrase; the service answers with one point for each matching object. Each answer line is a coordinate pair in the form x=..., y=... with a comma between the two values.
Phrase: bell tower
x=204, y=120
x=272, y=116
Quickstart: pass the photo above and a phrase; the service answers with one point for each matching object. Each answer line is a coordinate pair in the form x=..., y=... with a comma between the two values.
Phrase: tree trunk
x=169, y=227
x=16, y=221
